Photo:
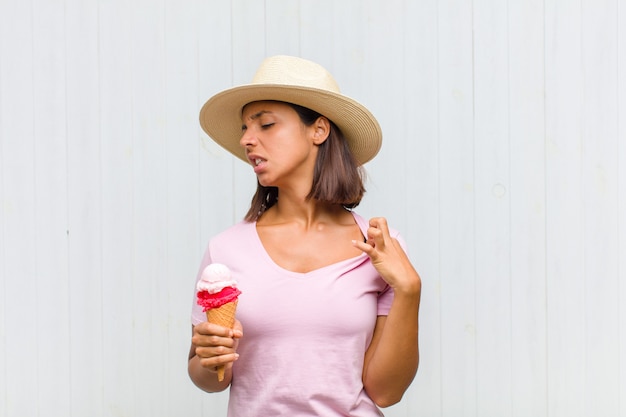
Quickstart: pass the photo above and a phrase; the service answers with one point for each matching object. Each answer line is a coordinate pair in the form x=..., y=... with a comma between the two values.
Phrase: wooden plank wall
x=503, y=166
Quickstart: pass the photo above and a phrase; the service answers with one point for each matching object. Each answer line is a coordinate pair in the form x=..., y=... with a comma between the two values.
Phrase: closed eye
x=267, y=125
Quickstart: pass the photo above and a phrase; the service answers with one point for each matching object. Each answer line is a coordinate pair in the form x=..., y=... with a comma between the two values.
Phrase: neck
x=294, y=208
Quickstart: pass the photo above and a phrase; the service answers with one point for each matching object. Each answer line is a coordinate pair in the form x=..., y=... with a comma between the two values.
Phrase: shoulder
x=228, y=246
x=365, y=223
x=234, y=234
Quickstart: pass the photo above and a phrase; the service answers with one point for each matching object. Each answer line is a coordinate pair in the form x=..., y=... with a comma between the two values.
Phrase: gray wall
x=503, y=166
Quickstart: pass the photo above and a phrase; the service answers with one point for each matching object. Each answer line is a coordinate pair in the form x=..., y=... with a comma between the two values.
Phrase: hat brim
x=220, y=117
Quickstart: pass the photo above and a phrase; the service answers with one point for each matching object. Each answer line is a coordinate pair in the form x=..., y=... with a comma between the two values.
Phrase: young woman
x=327, y=322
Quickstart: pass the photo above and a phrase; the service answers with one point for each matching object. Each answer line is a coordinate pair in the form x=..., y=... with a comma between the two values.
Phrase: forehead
x=256, y=109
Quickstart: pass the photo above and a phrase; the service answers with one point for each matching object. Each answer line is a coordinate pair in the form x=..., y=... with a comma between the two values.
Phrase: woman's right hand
x=216, y=345
x=211, y=346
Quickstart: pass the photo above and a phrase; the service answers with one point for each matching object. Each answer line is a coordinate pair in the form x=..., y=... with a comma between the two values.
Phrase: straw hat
x=298, y=81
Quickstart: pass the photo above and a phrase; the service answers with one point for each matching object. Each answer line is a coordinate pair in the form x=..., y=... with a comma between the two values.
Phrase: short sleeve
x=197, y=315
x=385, y=298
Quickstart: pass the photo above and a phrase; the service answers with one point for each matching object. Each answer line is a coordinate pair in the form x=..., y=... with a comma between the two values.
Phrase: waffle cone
x=223, y=316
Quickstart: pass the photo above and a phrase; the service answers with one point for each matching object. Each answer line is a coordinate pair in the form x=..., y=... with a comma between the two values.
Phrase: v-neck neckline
x=357, y=219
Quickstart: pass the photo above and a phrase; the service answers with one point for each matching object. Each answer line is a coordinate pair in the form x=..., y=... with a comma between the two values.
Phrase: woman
x=328, y=315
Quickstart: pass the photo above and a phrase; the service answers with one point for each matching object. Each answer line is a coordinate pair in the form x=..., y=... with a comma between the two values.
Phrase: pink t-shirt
x=305, y=334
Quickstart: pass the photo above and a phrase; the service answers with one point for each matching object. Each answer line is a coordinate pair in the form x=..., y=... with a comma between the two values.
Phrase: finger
x=210, y=346
x=380, y=223
x=237, y=329
x=375, y=237
x=207, y=328
x=210, y=351
x=209, y=334
x=211, y=362
x=363, y=246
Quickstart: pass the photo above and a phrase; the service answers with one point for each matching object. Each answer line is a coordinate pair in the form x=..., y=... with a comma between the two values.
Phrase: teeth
x=257, y=161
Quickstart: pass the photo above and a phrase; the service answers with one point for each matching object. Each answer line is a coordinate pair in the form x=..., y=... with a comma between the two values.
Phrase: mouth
x=256, y=162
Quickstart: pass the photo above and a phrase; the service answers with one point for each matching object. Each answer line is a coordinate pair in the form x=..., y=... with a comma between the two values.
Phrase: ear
x=321, y=130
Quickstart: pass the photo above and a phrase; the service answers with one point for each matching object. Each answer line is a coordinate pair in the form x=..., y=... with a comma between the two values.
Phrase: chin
x=264, y=182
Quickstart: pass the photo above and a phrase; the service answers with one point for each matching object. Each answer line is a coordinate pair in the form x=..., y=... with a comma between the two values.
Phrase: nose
x=248, y=138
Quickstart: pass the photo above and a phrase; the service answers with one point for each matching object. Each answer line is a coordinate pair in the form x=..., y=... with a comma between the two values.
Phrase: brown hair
x=337, y=177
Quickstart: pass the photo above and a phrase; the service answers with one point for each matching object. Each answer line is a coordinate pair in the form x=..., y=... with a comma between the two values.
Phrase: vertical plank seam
x=620, y=209
x=473, y=228
x=545, y=223
x=34, y=192
x=510, y=190
x=439, y=249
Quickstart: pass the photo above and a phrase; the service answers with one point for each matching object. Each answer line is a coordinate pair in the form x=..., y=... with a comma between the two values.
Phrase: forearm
x=393, y=360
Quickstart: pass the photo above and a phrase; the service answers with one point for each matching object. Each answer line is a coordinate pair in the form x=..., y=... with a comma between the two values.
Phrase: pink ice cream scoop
x=216, y=287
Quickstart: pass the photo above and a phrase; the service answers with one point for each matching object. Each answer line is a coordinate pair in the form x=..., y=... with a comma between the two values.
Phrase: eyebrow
x=259, y=114
x=256, y=116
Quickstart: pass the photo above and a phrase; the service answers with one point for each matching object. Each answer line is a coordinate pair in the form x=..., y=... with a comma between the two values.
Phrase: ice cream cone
x=223, y=316
x=217, y=294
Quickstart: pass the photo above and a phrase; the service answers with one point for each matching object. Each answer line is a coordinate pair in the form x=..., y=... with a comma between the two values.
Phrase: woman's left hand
x=388, y=257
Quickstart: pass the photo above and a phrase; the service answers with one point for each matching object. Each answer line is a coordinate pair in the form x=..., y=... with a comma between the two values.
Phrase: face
x=281, y=149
